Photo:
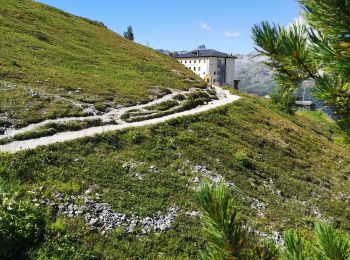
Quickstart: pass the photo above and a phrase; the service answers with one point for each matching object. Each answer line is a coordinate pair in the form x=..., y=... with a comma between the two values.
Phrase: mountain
x=255, y=77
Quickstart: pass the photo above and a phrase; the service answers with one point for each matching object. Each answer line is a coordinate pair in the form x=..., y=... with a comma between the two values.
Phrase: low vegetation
x=316, y=48
x=55, y=53
x=166, y=105
x=179, y=103
x=283, y=171
x=229, y=238
x=53, y=128
x=22, y=225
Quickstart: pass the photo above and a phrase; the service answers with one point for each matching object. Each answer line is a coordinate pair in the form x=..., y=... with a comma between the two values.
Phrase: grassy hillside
x=283, y=171
x=51, y=59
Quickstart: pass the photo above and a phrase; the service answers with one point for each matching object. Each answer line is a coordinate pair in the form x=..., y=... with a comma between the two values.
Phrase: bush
x=135, y=136
x=284, y=101
x=100, y=106
x=228, y=237
x=125, y=116
x=243, y=159
x=166, y=105
x=21, y=226
x=164, y=91
x=180, y=97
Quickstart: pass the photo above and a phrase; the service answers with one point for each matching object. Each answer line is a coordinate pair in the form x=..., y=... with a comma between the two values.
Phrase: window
x=199, y=61
x=194, y=61
x=199, y=68
x=214, y=72
x=194, y=68
x=214, y=80
x=190, y=61
x=185, y=61
x=203, y=73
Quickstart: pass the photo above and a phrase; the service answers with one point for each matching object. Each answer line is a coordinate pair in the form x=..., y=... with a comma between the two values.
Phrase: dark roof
x=204, y=53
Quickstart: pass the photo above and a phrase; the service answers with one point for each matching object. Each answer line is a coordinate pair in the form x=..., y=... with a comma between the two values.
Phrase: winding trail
x=225, y=97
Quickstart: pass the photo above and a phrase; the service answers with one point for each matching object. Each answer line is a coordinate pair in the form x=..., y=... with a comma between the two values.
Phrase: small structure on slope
x=305, y=105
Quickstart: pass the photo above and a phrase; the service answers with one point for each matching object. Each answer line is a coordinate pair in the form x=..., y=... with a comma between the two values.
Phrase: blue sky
x=185, y=24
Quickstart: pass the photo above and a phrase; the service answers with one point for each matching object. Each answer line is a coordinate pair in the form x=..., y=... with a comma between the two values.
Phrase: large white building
x=214, y=67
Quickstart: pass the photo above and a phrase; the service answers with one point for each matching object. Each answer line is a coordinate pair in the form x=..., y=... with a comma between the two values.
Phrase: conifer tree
x=228, y=237
x=129, y=34
x=329, y=35
x=318, y=50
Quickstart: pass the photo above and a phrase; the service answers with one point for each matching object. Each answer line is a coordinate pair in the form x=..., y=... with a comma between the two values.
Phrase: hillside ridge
x=54, y=64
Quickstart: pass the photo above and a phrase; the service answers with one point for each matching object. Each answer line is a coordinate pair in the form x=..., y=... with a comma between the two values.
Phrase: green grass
x=279, y=160
x=54, y=128
x=290, y=163
x=166, y=105
x=20, y=108
x=54, y=52
x=324, y=123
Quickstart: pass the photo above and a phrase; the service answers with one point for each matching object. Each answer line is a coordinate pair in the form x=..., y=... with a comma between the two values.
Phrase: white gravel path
x=225, y=97
x=106, y=117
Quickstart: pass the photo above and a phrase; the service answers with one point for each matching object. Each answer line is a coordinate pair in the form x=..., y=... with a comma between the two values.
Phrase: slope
x=283, y=171
x=53, y=64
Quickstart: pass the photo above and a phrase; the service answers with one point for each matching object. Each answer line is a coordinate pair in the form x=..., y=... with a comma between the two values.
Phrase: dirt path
x=224, y=98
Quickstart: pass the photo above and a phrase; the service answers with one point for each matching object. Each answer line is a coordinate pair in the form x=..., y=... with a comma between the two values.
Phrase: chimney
x=235, y=84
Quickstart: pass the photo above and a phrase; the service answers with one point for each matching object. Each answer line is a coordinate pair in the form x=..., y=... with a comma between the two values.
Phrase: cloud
x=206, y=27
x=229, y=34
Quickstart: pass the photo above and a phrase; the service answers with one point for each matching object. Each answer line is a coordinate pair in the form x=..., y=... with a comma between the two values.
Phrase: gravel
x=100, y=215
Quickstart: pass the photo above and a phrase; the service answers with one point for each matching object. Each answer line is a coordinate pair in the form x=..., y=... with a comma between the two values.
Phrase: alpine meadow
x=110, y=149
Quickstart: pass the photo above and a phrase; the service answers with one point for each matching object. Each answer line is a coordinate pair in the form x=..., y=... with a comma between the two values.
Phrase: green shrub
x=225, y=231
x=21, y=226
x=228, y=237
x=284, y=101
x=135, y=136
x=113, y=140
x=125, y=116
x=243, y=159
x=166, y=105
x=180, y=97
x=100, y=106
x=164, y=91
x=4, y=123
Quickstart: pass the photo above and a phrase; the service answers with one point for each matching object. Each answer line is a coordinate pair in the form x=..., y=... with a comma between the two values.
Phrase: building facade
x=214, y=67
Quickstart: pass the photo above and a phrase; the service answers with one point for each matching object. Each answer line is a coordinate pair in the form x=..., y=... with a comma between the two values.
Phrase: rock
x=101, y=216
x=153, y=168
x=70, y=207
x=140, y=176
x=93, y=221
x=193, y=213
